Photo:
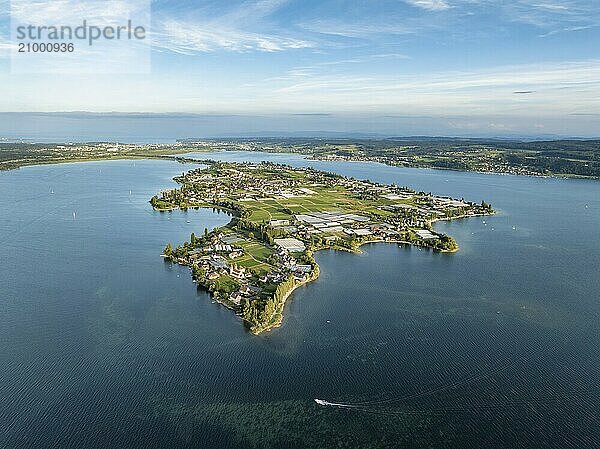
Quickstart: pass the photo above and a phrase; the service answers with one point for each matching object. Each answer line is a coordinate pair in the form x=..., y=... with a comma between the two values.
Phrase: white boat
x=332, y=404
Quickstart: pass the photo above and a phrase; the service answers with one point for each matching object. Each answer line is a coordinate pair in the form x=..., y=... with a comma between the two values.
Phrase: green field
x=324, y=200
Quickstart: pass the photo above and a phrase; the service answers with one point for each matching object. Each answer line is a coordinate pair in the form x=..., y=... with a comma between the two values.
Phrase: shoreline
x=174, y=157
x=317, y=272
x=132, y=157
x=481, y=172
x=279, y=322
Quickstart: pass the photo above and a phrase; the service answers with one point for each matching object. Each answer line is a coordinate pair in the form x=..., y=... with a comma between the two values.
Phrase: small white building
x=236, y=298
x=290, y=244
x=280, y=222
x=426, y=234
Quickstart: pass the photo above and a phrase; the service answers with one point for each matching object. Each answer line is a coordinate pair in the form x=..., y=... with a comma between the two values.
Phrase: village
x=281, y=216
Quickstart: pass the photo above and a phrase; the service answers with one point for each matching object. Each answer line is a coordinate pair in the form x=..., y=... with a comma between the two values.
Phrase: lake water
x=103, y=345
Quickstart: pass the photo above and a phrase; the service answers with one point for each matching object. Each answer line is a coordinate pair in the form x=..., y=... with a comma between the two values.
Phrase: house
x=304, y=268
x=235, y=297
x=330, y=240
x=276, y=223
x=299, y=276
x=254, y=290
x=217, y=262
x=237, y=272
x=245, y=290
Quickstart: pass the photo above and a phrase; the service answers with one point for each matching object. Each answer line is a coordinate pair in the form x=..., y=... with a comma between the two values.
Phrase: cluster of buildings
x=324, y=222
x=217, y=253
x=240, y=185
x=286, y=266
x=331, y=225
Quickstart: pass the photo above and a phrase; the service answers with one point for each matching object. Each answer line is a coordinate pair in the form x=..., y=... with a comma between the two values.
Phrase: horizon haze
x=393, y=67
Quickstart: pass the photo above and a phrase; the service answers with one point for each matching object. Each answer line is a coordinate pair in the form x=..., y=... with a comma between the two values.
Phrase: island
x=281, y=216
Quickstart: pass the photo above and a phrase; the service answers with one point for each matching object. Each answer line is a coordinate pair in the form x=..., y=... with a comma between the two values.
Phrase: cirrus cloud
x=431, y=5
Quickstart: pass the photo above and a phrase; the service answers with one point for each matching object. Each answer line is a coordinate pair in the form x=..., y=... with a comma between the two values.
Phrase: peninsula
x=281, y=216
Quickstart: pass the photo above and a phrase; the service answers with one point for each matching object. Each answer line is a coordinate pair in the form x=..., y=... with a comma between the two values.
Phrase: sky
x=401, y=67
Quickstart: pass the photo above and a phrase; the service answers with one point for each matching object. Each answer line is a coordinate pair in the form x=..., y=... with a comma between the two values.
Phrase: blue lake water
x=103, y=345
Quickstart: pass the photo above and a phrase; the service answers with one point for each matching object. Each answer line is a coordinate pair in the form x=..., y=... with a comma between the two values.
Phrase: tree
x=168, y=250
x=193, y=239
x=198, y=273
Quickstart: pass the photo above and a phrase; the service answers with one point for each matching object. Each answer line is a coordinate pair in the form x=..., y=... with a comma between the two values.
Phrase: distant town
x=281, y=216
x=559, y=158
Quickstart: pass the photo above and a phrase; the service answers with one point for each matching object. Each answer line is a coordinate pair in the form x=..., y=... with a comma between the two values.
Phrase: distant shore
x=31, y=154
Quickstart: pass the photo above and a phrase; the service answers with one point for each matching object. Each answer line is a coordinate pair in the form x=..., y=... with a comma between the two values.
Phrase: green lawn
x=257, y=250
x=226, y=284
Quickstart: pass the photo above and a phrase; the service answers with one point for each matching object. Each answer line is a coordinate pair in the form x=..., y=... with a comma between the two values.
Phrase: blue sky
x=455, y=67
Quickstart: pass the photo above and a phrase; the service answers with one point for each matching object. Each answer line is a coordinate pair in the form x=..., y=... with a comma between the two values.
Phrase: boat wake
x=323, y=403
x=400, y=406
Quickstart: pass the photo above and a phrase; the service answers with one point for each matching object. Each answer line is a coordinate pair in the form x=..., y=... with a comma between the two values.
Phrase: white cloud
x=191, y=37
x=4, y=8
x=68, y=12
x=461, y=18
x=430, y=5
x=233, y=29
x=551, y=6
x=556, y=14
x=555, y=89
x=356, y=29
